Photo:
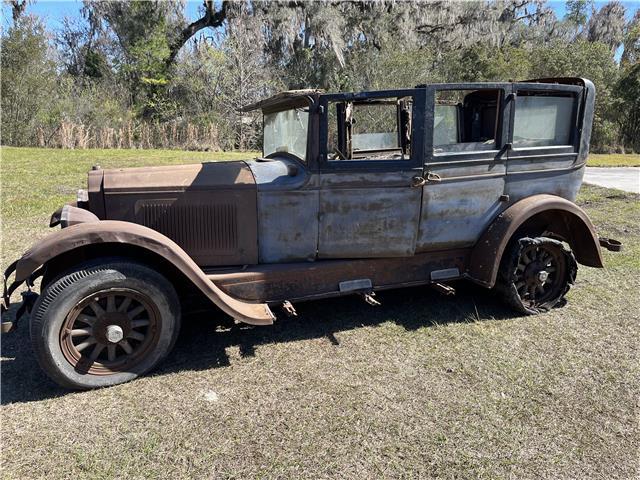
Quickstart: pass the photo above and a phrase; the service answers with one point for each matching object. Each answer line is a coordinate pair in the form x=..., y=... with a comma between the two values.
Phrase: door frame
x=354, y=181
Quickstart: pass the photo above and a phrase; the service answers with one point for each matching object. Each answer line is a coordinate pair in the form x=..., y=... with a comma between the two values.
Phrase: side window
x=374, y=129
x=542, y=119
x=466, y=120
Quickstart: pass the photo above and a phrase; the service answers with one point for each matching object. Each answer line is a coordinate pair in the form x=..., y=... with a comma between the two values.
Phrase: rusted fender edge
x=113, y=231
x=561, y=217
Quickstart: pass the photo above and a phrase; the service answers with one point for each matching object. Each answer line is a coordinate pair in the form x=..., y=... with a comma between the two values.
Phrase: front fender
x=561, y=217
x=118, y=232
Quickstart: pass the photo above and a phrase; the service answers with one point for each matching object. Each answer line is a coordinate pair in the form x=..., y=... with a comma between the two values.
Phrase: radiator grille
x=197, y=228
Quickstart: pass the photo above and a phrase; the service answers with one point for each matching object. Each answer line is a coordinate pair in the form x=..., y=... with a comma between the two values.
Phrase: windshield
x=286, y=132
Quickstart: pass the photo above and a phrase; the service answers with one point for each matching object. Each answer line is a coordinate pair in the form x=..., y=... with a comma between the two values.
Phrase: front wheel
x=104, y=323
x=536, y=274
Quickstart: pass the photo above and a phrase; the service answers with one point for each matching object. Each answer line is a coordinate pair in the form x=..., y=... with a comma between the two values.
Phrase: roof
x=282, y=100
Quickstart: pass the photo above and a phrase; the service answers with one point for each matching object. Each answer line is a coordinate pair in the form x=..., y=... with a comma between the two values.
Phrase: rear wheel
x=536, y=273
x=104, y=323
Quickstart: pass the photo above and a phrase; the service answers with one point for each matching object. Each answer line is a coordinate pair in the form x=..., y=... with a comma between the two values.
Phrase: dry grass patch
x=421, y=387
x=614, y=160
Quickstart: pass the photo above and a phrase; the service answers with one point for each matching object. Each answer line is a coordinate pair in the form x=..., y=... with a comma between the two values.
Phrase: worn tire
x=525, y=263
x=65, y=294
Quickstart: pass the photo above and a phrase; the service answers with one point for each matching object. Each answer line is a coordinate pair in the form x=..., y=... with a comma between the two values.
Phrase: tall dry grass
x=132, y=134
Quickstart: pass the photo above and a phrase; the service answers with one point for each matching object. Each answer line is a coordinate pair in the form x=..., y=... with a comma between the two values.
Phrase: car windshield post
x=286, y=132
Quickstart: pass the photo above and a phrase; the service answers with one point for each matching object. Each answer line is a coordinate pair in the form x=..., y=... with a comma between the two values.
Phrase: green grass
x=424, y=386
x=614, y=160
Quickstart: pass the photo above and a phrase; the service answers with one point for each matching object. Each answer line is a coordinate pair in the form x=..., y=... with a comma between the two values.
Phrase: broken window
x=370, y=129
x=466, y=120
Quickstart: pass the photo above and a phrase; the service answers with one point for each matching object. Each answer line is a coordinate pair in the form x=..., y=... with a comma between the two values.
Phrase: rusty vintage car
x=354, y=193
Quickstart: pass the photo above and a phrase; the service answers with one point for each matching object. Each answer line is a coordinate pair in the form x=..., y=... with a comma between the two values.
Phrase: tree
x=17, y=8
x=607, y=25
x=631, y=52
x=28, y=79
x=628, y=90
x=181, y=34
x=578, y=12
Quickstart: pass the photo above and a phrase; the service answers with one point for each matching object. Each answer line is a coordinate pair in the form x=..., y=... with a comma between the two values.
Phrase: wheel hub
x=114, y=334
x=537, y=275
x=542, y=276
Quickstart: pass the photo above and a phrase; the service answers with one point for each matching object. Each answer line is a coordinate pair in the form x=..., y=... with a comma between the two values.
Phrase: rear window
x=542, y=120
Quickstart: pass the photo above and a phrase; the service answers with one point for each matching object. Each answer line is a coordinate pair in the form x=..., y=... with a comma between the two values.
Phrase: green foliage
x=628, y=91
x=28, y=79
x=578, y=11
x=592, y=60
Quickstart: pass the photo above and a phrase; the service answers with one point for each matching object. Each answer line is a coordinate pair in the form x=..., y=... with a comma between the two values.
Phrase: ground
x=423, y=386
x=614, y=160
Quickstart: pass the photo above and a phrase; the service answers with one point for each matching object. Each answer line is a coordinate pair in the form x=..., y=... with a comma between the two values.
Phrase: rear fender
x=118, y=232
x=542, y=213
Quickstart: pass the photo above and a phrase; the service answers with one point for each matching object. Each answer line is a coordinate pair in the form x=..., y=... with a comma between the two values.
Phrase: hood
x=209, y=209
x=179, y=178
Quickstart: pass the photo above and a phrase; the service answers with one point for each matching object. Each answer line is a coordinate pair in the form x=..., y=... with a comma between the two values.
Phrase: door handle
x=433, y=177
x=418, y=181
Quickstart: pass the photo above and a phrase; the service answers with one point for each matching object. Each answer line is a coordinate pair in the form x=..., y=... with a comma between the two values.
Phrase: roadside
x=614, y=160
x=620, y=178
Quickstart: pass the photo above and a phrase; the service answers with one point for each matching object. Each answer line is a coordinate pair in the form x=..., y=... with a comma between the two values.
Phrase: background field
x=614, y=160
x=423, y=386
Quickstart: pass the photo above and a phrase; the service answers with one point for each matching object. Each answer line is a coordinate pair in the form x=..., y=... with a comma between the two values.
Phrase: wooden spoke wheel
x=109, y=331
x=104, y=322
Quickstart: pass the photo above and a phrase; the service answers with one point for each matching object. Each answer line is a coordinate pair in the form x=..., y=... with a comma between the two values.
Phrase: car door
x=370, y=192
x=465, y=161
x=545, y=129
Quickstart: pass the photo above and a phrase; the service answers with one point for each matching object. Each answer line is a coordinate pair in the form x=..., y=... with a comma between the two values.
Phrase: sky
x=54, y=11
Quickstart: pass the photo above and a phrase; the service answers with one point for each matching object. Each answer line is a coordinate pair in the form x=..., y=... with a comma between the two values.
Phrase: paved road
x=622, y=178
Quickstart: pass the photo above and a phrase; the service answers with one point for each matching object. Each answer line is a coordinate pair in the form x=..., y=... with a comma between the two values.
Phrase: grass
x=424, y=386
x=614, y=160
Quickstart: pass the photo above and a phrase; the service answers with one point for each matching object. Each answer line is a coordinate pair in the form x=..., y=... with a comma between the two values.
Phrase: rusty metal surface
x=95, y=192
x=118, y=232
x=308, y=280
x=364, y=215
x=209, y=209
x=288, y=202
x=284, y=100
x=553, y=214
x=563, y=183
x=173, y=178
x=455, y=213
x=72, y=215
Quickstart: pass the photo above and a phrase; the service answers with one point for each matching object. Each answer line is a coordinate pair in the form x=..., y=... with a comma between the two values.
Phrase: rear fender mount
x=118, y=232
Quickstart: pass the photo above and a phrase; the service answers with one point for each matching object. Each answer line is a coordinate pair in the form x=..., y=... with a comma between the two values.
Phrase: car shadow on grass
x=202, y=344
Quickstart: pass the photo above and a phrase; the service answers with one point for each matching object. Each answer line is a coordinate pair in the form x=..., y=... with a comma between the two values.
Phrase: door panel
x=368, y=206
x=455, y=213
x=364, y=215
x=458, y=208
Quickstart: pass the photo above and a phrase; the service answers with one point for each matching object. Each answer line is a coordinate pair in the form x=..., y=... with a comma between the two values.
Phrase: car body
x=354, y=193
